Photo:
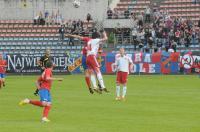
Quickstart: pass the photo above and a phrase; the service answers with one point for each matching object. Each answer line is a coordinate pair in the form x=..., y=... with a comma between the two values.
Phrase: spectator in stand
x=134, y=37
x=109, y=13
x=46, y=14
x=140, y=20
x=199, y=23
x=126, y=13
x=177, y=36
x=89, y=17
x=173, y=45
x=74, y=26
x=80, y=24
x=141, y=37
x=62, y=32
x=147, y=14
x=194, y=1
x=38, y=18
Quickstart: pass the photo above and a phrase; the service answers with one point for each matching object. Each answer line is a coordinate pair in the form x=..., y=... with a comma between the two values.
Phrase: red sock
x=37, y=103
x=87, y=79
x=46, y=111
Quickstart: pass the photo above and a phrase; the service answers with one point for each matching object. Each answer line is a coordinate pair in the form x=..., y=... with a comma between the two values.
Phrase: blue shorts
x=2, y=75
x=85, y=67
x=45, y=95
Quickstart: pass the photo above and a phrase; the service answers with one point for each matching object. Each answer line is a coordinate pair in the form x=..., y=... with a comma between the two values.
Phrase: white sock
x=100, y=79
x=93, y=80
x=124, y=91
x=118, y=91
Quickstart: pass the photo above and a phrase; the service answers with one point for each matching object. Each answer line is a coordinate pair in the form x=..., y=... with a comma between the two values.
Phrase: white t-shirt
x=123, y=63
x=93, y=46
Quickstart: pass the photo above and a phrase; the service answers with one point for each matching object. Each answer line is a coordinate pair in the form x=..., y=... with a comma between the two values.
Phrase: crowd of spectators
x=50, y=19
x=158, y=29
x=77, y=27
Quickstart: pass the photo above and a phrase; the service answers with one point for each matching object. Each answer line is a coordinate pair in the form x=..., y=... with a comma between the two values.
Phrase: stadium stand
x=22, y=36
x=136, y=6
x=182, y=8
x=170, y=18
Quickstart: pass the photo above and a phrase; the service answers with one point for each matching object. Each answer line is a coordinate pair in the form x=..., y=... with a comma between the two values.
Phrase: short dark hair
x=95, y=35
x=49, y=64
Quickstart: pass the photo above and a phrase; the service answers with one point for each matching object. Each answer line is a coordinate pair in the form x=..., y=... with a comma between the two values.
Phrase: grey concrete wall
x=14, y=9
x=119, y=23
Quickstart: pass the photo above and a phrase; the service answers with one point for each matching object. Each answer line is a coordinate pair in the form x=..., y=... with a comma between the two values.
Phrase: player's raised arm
x=74, y=36
x=105, y=37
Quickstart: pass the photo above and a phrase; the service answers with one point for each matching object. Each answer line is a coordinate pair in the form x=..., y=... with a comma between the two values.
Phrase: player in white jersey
x=123, y=64
x=92, y=63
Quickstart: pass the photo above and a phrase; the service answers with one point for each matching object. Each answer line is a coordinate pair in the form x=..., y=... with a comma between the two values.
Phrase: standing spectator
x=140, y=20
x=89, y=17
x=126, y=13
x=46, y=14
x=148, y=14
x=62, y=32
x=134, y=37
x=177, y=36
x=173, y=45
x=199, y=23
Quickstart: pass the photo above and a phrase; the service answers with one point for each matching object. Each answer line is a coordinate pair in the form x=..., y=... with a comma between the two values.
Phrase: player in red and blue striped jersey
x=44, y=84
x=3, y=65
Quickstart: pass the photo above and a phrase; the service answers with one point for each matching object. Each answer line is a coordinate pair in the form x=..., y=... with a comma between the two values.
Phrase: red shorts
x=122, y=77
x=91, y=62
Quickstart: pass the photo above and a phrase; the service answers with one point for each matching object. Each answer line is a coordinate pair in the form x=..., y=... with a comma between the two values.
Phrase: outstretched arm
x=74, y=36
x=105, y=38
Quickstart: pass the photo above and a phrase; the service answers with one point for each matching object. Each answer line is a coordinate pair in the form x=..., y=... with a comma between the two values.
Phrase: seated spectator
x=126, y=13
x=39, y=20
x=109, y=13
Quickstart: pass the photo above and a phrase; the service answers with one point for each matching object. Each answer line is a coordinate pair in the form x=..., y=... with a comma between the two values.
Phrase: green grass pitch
x=154, y=104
